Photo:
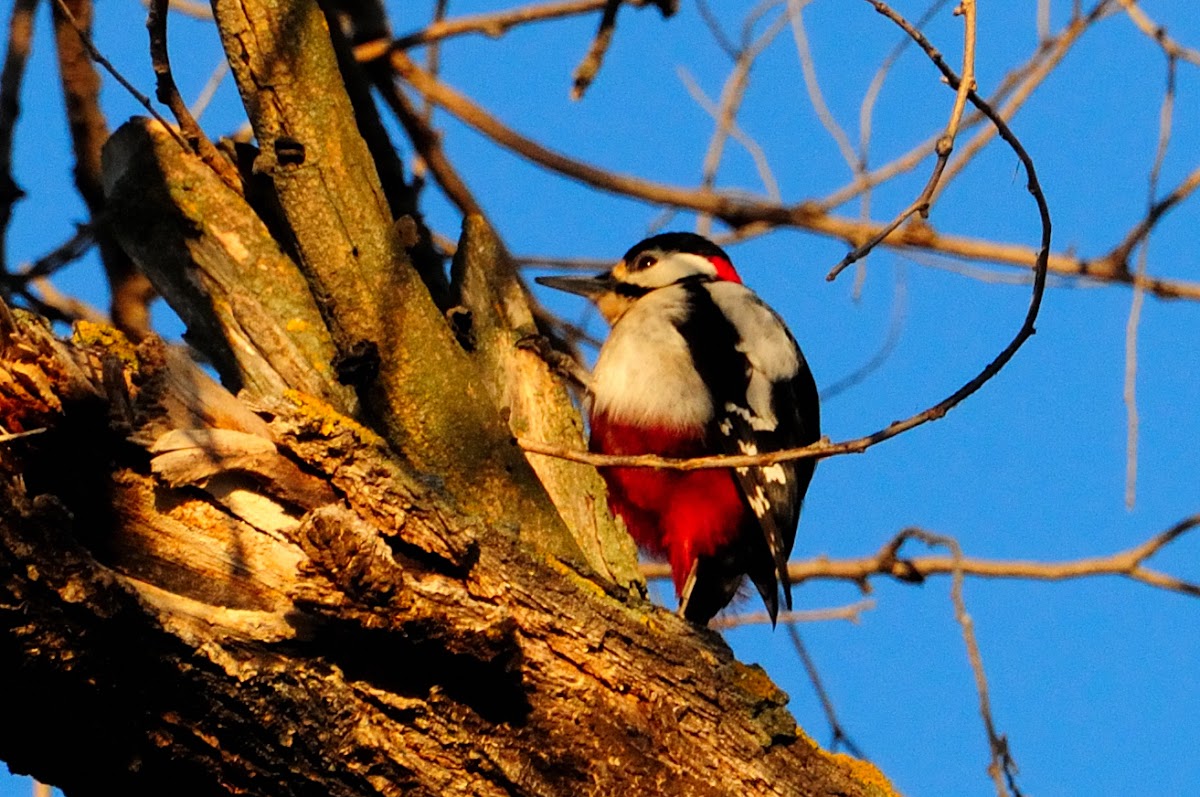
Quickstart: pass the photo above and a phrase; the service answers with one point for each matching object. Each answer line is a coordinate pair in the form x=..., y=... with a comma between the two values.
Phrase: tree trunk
x=347, y=580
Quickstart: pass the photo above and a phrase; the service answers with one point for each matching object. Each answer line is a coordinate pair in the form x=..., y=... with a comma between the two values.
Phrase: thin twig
x=770, y=184
x=10, y=436
x=866, y=113
x=1118, y=258
x=945, y=144
x=852, y=612
x=130, y=291
x=795, y=14
x=433, y=62
x=1165, y=118
x=1042, y=69
x=99, y=58
x=20, y=38
x=589, y=67
x=46, y=300
x=1002, y=768
x=725, y=115
x=891, y=340
x=714, y=27
x=1043, y=20
x=428, y=145
x=63, y=255
x=200, y=105
x=1159, y=34
x=840, y=737
x=498, y=23
x=1021, y=80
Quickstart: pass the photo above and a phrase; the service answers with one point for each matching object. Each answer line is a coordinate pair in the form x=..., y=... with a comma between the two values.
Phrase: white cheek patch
x=670, y=268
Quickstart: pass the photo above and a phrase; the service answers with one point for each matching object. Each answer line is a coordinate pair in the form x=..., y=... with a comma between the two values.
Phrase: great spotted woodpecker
x=697, y=364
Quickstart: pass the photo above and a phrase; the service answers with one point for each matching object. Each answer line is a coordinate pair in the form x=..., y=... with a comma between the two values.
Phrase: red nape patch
x=677, y=514
x=725, y=270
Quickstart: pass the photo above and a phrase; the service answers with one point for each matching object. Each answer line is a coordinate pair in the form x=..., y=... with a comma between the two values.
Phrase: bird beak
x=591, y=287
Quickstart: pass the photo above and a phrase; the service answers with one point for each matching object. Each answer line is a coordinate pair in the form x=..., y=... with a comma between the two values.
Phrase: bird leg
x=685, y=594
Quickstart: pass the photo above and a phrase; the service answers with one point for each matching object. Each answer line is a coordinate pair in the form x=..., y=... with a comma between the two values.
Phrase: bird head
x=657, y=262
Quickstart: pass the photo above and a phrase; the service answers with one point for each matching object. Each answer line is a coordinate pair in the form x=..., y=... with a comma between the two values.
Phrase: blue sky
x=1092, y=681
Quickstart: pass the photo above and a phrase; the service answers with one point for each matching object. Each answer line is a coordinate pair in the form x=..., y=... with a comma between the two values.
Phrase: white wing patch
x=774, y=473
x=756, y=498
x=757, y=422
x=765, y=342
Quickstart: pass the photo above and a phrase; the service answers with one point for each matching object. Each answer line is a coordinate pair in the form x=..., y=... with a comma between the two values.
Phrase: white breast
x=645, y=375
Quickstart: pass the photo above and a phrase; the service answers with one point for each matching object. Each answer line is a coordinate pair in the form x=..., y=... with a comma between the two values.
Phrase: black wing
x=774, y=493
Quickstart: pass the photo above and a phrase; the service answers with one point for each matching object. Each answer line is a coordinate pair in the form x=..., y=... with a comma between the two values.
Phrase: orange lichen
x=328, y=420
x=754, y=680
x=865, y=773
x=113, y=341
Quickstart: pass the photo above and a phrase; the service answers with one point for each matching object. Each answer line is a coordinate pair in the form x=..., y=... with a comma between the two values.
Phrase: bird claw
x=561, y=363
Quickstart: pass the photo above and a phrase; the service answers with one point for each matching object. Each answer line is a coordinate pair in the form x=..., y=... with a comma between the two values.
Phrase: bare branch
x=428, y=145
x=168, y=94
x=1020, y=81
x=770, y=184
x=812, y=83
x=209, y=91
x=498, y=23
x=1129, y=563
x=725, y=115
x=63, y=255
x=95, y=54
x=890, y=341
x=1042, y=66
x=750, y=217
x=1159, y=34
x=20, y=37
x=10, y=436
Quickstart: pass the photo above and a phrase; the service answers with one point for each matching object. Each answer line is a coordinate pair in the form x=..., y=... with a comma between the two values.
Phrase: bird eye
x=644, y=262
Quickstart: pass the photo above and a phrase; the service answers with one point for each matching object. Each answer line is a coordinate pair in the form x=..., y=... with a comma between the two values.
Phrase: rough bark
x=209, y=602
x=245, y=303
x=347, y=580
x=496, y=313
x=415, y=383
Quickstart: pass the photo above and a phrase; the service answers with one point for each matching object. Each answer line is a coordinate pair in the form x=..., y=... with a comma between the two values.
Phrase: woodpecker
x=696, y=364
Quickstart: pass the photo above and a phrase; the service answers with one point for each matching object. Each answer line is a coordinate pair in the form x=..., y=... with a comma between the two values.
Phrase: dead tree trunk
x=347, y=580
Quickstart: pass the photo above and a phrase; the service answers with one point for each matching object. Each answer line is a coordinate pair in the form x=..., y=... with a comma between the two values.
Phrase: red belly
x=677, y=514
